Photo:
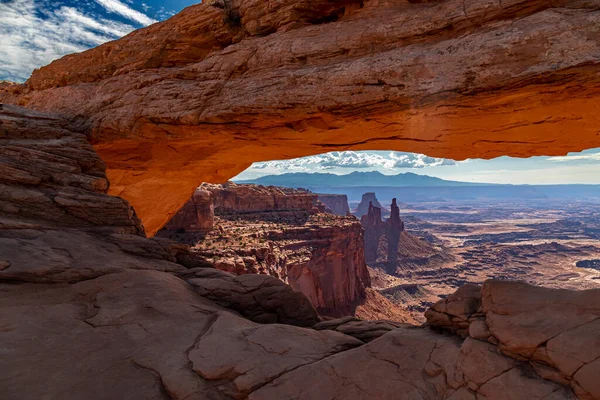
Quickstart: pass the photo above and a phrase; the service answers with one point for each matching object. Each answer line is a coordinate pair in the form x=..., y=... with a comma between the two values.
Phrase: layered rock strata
x=553, y=331
x=201, y=96
x=57, y=223
x=197, y=215
x=256, y=201
x=103, y=313
x=279, y=232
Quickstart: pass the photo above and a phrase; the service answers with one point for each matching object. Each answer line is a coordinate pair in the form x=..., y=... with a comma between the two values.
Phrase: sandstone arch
x=195, y=98
x=103, y=312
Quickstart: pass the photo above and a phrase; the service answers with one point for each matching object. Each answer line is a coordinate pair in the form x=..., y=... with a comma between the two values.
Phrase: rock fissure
x=158, y=377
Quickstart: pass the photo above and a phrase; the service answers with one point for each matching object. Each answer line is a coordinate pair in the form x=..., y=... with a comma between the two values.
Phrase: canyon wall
x=335, y=276
x=279, y=232
x=231, y=198
x=337, y=203
x=201, y=96
x=197, y=215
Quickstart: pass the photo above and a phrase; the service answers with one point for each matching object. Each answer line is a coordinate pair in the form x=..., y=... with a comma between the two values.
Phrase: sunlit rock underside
x=202, y=95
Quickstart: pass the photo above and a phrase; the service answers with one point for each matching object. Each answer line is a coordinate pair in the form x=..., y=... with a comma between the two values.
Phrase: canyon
x=281, y=233
x=140, y=317
x=99, y=150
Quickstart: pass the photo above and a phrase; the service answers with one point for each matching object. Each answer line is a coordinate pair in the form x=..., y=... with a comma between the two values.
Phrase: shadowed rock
x=556, y=330
x=260, y=298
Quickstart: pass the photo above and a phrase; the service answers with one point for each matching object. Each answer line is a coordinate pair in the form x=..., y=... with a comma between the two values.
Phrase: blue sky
x=35, y=32
x=581, y=167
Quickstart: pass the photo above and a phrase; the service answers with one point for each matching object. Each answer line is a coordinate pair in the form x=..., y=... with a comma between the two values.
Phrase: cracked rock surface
x=260, y=298
x=555, y=331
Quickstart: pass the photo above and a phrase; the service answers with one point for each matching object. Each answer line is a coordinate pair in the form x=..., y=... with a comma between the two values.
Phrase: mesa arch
x=199, y=98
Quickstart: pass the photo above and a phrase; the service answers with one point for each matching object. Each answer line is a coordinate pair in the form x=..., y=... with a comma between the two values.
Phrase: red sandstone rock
x=57, y=223
x=50, y=174
x=499, y=78
x=270, y=230
x=260, y=298
x=389, y=247
x=118, y=320
x=187, y=100
x=395, y=222
x=197, y=215
x=555, y=330
x=234, y=199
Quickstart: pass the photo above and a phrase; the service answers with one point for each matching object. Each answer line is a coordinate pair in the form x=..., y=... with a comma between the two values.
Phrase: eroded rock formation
x=197, y=215
x=368, y=200
x=553, y=331
x=187, y=100
x=389, y=247
x=102, y=311
x=279, y=232
x=256, y=200
x=57, y=222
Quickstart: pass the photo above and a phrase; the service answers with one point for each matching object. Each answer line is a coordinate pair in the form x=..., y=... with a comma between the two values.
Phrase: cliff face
x=57, y=224
x=279, y=232
x=337, y=203
x=187, y=100
x=335, y=275
x=197, y=215
x=231, y=198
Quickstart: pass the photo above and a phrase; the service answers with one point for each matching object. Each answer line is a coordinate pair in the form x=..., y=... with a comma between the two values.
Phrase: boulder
x=260, y=298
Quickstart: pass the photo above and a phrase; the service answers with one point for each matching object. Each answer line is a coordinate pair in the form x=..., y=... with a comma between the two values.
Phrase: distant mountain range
x=355, y=179
x=409, y=187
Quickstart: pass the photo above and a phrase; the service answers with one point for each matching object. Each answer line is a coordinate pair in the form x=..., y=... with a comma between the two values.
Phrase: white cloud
x=410, y=160
x=33, y=33
x=351, y=160
x=124, y=10
x=578, y=157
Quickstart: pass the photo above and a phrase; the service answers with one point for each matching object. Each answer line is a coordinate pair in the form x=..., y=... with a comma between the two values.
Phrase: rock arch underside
x=93, y=308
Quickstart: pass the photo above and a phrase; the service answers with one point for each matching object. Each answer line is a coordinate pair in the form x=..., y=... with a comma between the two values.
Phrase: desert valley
x=314, y=243
x=149, y=251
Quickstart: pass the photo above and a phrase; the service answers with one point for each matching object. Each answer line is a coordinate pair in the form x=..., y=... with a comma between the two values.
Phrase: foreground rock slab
x=260, y=298
x=149, y=334
x=557, y=331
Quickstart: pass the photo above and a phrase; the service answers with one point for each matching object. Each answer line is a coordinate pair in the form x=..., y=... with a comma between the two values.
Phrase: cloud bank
x=352, y=160
x=35, y=32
